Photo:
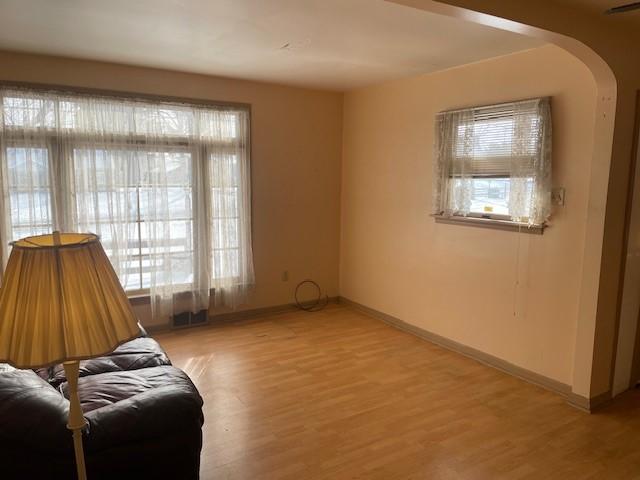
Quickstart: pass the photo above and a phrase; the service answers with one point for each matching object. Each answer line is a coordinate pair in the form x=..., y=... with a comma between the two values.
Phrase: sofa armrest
x=32, y=413
x=150, y=414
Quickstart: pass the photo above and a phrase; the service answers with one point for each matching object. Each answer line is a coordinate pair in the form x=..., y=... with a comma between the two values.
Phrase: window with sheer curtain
x=165, y=185
x=494, y=162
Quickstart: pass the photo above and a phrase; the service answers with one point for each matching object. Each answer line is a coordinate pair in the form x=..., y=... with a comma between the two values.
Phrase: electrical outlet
x=285, y=276
x=557, y=196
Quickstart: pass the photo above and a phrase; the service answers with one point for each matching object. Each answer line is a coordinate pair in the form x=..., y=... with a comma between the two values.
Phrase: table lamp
x=61, y=302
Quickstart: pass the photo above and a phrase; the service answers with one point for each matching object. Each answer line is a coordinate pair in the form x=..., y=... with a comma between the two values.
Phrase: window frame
x=490, y=222
x=51, y=144
x=489, y=219
x=139, y=257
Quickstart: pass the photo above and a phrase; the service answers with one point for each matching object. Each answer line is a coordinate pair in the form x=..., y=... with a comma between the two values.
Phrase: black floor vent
x=188, y=319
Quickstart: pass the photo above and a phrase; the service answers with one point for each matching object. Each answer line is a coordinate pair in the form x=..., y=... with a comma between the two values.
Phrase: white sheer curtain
x=508, y=141
x=165, y=185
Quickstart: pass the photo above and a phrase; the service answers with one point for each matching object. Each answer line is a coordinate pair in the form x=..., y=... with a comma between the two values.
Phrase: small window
x=494, y=162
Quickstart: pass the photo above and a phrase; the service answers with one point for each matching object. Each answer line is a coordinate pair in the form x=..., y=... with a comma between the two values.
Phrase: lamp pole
x=77, y=422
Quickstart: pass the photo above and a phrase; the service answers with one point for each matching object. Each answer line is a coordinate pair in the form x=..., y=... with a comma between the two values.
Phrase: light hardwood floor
x=339, y=395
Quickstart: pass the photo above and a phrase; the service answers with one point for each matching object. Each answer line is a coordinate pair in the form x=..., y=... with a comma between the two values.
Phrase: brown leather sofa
x=145, y=418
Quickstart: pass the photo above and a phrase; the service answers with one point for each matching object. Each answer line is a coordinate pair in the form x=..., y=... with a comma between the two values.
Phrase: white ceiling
x=333, y=44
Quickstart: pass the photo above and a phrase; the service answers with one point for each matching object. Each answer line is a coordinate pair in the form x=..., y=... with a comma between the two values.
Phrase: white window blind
x=165, y=184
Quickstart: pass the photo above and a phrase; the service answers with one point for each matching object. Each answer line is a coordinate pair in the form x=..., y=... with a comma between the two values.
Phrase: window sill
x=143, y=296
x=492, y=223
x=139, y=298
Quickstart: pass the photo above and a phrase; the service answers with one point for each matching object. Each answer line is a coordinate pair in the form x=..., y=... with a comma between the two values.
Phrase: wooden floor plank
x=338, y=395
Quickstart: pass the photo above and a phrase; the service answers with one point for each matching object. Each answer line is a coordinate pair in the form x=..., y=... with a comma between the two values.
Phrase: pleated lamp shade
x=61, y=300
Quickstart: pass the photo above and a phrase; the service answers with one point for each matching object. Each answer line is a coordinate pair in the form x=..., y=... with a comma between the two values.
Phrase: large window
x=494, y=162
x=165, y=185
x=123, y=204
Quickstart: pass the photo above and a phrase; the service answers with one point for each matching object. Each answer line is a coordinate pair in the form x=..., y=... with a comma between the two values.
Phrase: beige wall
x=296, y=152
x=514, y=296
x=607, y=44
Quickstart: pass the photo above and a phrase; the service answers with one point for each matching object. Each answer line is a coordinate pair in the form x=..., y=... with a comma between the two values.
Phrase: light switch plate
x=557, y=196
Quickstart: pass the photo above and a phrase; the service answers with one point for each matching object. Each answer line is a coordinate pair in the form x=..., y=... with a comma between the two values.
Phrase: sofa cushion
x=99, y=390
x=44, y=373
x=138, y=353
